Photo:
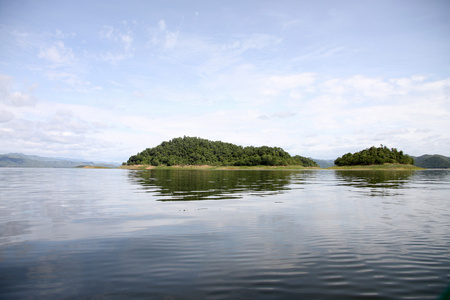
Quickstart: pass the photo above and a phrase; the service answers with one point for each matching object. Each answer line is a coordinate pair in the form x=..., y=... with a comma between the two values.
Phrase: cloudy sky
x=103, y=80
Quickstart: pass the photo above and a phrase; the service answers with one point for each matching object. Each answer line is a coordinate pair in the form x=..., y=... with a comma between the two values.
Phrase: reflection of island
x=374, y=179
x=185, y=185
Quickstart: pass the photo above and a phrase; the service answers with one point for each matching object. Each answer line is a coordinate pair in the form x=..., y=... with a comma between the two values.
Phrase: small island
x=375, y=158
x=196, y=152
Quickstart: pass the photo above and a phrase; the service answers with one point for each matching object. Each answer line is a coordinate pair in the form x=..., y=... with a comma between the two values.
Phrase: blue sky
x=103, y=80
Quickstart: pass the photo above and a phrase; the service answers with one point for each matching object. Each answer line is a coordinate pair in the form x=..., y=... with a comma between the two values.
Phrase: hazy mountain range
x=435, y=161
x=324, y=163
x=33, y=161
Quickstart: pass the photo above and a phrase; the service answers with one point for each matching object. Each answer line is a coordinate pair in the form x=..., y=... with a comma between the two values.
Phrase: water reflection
x=14, y=228
x=384, y=179
x=94, y=234
x=185, y=185
x=375, y=183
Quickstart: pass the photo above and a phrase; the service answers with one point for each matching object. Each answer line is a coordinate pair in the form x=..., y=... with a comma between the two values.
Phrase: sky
x=104, y=80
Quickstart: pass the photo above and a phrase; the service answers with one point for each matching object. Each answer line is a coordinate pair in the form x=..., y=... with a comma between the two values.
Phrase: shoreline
x=209, y=167
x=385, y=167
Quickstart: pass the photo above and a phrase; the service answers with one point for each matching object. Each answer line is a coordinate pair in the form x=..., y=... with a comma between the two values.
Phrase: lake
x=210, y=234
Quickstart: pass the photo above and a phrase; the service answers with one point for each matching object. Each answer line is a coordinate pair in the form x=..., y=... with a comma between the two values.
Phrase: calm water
x=180, y=234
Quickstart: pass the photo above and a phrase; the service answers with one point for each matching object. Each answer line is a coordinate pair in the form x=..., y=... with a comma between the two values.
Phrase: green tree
x=374, y=155
x=194, y=151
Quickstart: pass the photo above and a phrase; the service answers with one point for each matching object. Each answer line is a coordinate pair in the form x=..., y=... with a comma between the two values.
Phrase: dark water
x=180, y=234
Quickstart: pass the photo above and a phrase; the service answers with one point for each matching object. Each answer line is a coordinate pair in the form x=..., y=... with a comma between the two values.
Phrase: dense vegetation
x=197, y=151
x=374, y=156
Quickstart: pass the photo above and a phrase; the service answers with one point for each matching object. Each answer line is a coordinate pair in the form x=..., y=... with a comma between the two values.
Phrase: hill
x=324, y=163
x=15, y=160
x=432, y=161
x=197, y=151
x=374, y=156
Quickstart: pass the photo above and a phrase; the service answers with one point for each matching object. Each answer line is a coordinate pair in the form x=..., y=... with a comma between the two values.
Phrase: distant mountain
x=324, y=163
x=19, y=160
x=435, y=161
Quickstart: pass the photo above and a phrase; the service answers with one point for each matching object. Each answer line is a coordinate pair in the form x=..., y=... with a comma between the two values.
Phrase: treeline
x=374, y=156
x=197, y=151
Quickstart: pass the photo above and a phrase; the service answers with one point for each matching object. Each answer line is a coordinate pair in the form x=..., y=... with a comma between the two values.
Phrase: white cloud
x=255, y=41
x=10, y=96
x=162, y=25
x=21, y=99
x=322, y=52
x=362, y=116
x=237, y=84
x=107, y=32
x=5, y=116
x=55, y=128
x=321, y=126
x=74, y=81
x=161, y=36
x=368, y=87
x=361, y=88
x=58, y=54
x=284, y=114
x=207, y=55
x=113, y=58
x=58, y=61
x=127, y=40
x=122, y=36
x=171, y=39
x=275, y=85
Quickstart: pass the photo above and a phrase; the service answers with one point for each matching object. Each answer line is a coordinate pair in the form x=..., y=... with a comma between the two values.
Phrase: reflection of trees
x=374, y=179
x=211, y=184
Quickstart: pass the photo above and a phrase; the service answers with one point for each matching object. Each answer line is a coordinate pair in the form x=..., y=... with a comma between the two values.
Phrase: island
x=374, y=158
x=193, y=151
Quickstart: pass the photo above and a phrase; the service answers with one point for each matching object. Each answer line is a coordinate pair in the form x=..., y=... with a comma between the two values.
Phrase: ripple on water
x=272, y=235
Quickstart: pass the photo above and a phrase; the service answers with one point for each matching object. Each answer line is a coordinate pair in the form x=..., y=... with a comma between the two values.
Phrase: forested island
x=198, y=151
x=375, y=156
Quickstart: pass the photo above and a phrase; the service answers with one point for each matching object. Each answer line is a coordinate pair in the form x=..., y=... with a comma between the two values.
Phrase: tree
x=373, y=155
x=195, y=151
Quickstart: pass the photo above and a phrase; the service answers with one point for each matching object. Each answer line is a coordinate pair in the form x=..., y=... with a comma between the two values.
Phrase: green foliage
x=374, y=156
x=197, y=151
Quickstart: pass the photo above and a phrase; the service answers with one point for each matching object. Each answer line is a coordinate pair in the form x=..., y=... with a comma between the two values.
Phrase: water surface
x=204, y=234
